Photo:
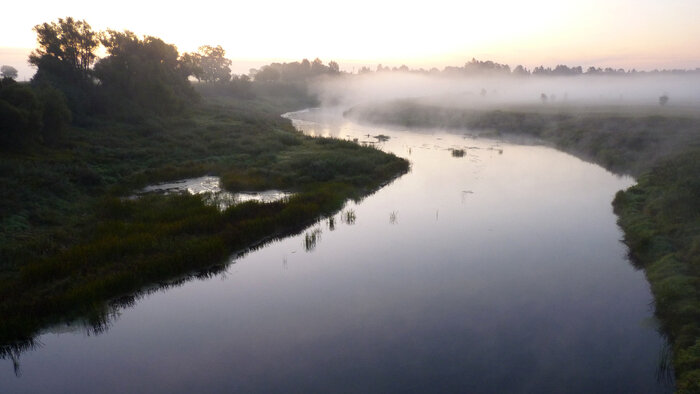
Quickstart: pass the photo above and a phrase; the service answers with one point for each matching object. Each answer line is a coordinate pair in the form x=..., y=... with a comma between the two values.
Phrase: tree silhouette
x=8, y=72
x=142, y=74
x=69, y=42
x=64, y=58
x=213, y=66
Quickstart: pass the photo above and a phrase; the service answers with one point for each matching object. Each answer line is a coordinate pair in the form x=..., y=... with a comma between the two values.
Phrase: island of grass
x=660, y=215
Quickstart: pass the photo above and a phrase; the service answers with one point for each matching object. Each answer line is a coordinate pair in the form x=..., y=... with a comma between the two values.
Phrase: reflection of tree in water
x=101, y=318
x=311, y=238
x=14, y=350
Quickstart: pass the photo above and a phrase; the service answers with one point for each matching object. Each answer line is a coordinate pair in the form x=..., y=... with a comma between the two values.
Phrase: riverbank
x=659, y=215
x=70, y=243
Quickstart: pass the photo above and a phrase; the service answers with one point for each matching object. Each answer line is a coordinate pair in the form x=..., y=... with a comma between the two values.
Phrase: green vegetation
x=660, y=215
x=72, y=242
x=661, y=219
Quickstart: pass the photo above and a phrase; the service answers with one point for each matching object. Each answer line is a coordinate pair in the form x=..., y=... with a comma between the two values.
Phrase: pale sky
x=640, y=34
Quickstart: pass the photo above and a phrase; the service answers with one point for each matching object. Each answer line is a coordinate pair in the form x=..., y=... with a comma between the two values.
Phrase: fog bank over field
x=503, y=91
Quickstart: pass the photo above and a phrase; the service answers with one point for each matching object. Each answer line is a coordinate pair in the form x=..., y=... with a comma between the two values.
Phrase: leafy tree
x=190, y=65
x=317, y=67
x=142, y=75
x=520, y=70
x=213, y=66
x=64, y=57
x=267, y=74
x=8, y=72
x=71, y=43
x=333, y=67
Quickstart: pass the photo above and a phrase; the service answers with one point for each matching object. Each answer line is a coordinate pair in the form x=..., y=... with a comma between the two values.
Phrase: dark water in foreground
x=496, y=272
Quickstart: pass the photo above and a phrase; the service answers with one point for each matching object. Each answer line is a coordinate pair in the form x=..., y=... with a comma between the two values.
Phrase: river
x=489, y=268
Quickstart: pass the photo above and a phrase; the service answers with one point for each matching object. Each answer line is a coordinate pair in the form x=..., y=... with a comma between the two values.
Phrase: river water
x=496, y=271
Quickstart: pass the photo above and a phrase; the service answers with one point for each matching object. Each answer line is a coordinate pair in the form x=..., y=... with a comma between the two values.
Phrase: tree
x=333, y=67
x=213, y=66
x=8, y=72
x=267, y=74
x=190, y=65
x=142, y=75
x=70, y=42
x=519, y=70
x=317, y=67
x=64, y=59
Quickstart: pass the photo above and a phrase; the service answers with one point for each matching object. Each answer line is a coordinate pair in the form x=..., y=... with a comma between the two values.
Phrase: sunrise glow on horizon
x=628, y=34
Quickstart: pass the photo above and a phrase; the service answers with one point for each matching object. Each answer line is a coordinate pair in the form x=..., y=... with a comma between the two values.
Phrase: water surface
x=497, y=271
x=210, y=187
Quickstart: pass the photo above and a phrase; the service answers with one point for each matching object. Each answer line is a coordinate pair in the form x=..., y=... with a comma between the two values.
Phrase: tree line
x=140, y=77
x=488, y=67
x=294, y=71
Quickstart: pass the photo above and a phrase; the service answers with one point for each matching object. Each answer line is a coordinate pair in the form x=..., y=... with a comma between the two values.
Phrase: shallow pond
x=210, y=187
x=498, y=270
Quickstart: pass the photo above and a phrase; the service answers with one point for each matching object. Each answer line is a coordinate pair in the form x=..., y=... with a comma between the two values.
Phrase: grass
x=661, y=219
x=660, y=215
x=70, y=244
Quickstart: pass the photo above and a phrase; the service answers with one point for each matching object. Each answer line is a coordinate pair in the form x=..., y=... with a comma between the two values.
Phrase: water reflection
x=393, y=217
x=101, y=318
x=209, y=187
x=311, y=238
x=348, y=217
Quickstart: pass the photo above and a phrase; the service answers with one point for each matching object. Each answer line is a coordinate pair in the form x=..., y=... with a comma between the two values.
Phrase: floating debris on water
x=458, y=152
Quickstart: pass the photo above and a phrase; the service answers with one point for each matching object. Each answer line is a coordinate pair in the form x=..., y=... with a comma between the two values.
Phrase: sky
x=641, y=34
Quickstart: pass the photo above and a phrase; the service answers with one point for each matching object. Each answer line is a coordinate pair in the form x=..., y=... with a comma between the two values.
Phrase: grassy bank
x=70, y=243
x=661, y=219
x=660, y=215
